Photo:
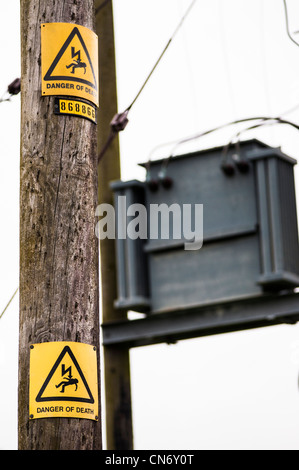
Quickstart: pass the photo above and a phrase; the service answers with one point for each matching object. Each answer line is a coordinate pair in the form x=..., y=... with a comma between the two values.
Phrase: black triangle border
x=39, y=396
x=49, y=76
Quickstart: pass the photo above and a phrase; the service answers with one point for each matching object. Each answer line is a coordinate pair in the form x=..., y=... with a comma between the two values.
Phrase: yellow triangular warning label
x=73, y=62
x=65, y=381
x=69, y=61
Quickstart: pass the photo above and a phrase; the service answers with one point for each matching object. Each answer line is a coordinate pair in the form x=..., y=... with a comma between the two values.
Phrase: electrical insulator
x=14, y=87
x=119, y=121
x=228, y=169
x=166, y=181
x=241, y=164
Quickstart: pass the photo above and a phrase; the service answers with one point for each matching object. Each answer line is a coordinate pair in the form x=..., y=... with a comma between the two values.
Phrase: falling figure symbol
x=67, y=380
x=76, y=65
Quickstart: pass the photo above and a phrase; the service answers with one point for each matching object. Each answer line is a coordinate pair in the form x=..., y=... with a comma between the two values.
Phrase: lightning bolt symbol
x=76, y=54
x=65, y=371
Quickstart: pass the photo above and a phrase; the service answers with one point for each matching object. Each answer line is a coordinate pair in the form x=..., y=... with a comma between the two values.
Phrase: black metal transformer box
x=245, y=205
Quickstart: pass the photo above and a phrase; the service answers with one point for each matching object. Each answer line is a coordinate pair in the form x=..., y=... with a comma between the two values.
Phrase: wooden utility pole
x=119, y=432
x=59, y=290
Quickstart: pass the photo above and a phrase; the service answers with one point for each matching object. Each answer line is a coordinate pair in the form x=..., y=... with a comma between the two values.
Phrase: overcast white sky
x=231, y=59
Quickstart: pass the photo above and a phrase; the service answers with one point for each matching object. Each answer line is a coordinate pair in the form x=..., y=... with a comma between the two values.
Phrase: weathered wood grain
x=59, y=291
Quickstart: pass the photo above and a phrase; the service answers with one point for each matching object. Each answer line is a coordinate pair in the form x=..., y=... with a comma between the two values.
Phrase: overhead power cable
x=120, y=120
x=263, y=120
x=178, y=142
x=162, y=53
x=235, y=140
x=287, y=23
x=9, y=302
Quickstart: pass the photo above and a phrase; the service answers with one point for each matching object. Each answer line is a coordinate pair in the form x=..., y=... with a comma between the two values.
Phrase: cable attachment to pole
x=117, y=124
x=13, y=88
x=119, y=121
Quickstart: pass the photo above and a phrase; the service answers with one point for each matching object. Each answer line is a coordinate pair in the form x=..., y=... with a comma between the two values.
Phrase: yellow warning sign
x=69, y=59
x=63, y=380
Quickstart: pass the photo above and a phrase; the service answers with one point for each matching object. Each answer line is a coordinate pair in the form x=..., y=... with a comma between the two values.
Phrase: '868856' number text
x=79, y=108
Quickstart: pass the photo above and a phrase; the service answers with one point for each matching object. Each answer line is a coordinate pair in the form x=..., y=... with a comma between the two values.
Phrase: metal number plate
x=71, y=107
